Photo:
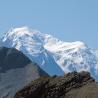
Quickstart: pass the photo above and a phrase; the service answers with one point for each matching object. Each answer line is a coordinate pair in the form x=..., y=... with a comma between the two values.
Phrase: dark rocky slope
x=16, y=71
x=11, y=58
x=72, y=85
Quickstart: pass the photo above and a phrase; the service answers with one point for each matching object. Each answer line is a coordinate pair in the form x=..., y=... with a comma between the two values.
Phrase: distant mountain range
x=16, y=71
x=52, y=54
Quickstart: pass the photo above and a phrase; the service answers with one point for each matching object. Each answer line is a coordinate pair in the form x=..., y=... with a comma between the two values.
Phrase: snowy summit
x=51, y=53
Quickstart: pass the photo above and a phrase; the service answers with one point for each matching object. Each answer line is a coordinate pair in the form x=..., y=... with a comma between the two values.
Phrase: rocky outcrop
x=57, y=86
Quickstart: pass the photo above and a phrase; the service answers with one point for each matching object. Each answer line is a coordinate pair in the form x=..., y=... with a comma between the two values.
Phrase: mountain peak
x=22, y=31
x=50, y=52
x=24, y=28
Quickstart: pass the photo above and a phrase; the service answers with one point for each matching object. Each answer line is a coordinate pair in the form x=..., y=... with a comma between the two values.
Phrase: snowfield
x=50, y=53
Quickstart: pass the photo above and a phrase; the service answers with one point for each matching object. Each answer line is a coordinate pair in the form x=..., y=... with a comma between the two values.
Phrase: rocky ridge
x=58, y=87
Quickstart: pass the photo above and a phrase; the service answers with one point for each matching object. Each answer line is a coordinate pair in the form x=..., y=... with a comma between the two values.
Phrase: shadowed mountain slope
x=16, y=71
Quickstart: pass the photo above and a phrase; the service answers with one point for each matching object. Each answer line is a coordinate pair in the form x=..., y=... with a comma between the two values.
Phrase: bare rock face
x=71, y=85
x=16, y=71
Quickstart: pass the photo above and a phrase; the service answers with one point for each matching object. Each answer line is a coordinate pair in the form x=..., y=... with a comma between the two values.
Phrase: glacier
x=51, y=54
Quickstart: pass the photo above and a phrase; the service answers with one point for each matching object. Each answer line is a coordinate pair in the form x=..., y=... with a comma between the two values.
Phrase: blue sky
x=69, y=20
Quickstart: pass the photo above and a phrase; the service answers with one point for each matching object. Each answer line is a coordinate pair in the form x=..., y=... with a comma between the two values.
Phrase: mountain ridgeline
x=38, y=65
x=16, y=71
x=71, y=85
x=49, y=52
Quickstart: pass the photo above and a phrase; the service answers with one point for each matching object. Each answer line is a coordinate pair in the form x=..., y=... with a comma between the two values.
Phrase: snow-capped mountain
x=51, y=53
